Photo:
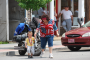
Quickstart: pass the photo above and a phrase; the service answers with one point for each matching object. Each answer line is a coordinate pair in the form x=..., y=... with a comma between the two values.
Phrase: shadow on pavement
x=35, y=58
x=84, y=50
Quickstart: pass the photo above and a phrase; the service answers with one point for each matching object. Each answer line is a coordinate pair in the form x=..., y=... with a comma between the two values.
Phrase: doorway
x=16, y=16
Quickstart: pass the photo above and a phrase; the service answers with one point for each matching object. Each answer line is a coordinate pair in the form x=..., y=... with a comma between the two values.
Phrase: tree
x=32, y=4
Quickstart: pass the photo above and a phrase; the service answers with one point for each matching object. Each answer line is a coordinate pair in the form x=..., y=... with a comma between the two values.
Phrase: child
x=29, y=44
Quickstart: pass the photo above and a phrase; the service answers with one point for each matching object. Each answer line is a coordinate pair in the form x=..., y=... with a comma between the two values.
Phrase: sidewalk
x=4, y=48
x=57, y=38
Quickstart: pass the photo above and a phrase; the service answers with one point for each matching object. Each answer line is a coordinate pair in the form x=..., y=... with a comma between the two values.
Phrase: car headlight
x=63, y=35
x=86, y=34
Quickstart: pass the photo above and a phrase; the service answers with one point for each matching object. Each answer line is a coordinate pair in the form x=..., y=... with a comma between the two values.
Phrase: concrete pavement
x=5, y=48
x=57, y=38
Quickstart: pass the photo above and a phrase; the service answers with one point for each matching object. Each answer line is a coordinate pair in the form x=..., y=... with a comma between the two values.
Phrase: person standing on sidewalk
x=45, y=11
x=55, y=15
x=67, y=18
x=40, y=12
x=29, y=44
x=46, y=27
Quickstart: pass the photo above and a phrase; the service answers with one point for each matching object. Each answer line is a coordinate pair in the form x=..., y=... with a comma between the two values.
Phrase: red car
x=77, y=38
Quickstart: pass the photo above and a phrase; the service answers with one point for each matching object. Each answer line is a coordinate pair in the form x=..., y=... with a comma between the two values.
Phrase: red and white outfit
x=47, y=30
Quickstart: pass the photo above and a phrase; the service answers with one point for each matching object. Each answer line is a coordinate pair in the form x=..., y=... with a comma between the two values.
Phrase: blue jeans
x=44, y=41
x=67, y=24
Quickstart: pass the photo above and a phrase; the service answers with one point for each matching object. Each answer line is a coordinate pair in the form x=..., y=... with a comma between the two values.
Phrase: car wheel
x=37, y=49
x=74, y=48
x=22, y=52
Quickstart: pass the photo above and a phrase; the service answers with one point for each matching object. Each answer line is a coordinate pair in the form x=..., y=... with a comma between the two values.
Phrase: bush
x=4, y=42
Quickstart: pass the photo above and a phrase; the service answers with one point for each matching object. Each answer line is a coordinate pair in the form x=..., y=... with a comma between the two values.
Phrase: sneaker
x=31, y=56
x=50, y=55
x=42, y=54
x=28, y=56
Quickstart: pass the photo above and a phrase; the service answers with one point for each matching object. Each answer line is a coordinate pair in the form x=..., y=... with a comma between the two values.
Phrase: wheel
x=22, y=52
x=72, y=48
x=38, y=49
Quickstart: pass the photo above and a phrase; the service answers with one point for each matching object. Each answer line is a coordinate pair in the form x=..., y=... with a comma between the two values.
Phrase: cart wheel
x=22, y=52
x=38, y=49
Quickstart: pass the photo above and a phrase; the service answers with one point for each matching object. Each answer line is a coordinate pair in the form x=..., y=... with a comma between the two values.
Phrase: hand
x=57, y=35
x=57, y=18
x=35, y=35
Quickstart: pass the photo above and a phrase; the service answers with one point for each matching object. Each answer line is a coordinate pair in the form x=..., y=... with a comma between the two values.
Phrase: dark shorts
x=44, y=41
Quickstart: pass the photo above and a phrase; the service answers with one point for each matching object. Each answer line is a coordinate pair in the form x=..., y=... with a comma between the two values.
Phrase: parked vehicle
x=20, y=38
x=77, y=38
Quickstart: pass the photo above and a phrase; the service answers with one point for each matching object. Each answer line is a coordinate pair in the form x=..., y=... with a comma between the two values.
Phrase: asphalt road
x=62, y=54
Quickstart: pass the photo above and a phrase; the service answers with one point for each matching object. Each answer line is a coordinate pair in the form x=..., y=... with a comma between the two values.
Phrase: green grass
x=4, y=42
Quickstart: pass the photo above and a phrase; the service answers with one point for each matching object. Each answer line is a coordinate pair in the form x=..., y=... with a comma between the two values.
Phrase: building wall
x=3, y=28
x=16, y=12
x=16, y=16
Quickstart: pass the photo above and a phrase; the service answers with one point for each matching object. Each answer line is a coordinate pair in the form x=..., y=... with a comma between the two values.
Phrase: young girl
x=29, y=44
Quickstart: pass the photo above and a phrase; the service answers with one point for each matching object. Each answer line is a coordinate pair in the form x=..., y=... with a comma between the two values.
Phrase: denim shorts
x=44, y=41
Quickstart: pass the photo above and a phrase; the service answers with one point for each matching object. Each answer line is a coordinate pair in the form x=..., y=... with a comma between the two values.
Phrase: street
x=59, y=54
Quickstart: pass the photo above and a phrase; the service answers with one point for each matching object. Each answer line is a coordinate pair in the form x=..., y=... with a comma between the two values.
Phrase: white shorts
x=30, y=49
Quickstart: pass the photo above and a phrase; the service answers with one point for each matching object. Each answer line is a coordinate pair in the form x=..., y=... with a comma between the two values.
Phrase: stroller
x=20, y=38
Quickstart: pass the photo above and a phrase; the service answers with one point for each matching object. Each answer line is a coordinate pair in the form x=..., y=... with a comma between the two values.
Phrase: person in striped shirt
x=46, y=27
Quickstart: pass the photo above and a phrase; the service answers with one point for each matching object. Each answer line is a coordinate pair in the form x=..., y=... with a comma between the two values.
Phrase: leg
x=64, y=25
x=32, y=51
x=69, y=24
x=43, y=45
x=28, y=50
x=50, y=49
x=50, y=45
x=43, y=42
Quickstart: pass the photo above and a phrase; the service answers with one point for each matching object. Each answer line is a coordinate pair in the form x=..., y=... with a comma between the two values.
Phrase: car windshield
x=87, y=24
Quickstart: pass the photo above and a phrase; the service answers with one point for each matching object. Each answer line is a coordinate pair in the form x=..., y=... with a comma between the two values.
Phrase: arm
x=36, y=33
x=72, y=18
x=37, y=30
x=55, y=14
x=55, y=28
x=59, y=16
x=57, y=33
x=43, y=12
x=26, y=44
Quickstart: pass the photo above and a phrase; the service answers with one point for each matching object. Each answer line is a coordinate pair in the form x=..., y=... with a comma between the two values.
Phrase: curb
x=14, y=52
x=8, y=53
